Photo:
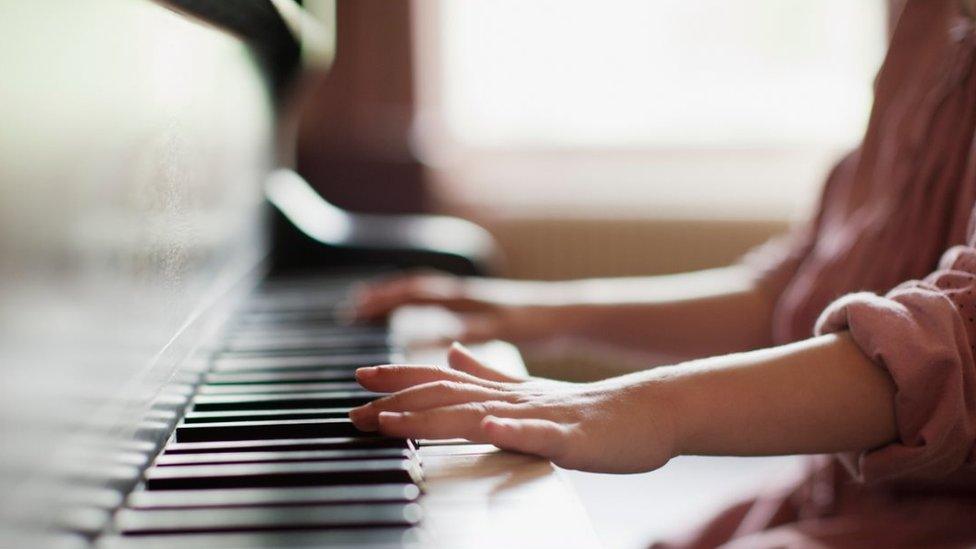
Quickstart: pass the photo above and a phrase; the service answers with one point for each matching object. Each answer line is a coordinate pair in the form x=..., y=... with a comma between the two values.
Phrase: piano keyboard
x=265, y=454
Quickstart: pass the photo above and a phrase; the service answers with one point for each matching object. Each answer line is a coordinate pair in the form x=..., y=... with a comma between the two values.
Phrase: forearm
x=820, y=395
x=677, y=317
x=674, y=317
x=817, y=396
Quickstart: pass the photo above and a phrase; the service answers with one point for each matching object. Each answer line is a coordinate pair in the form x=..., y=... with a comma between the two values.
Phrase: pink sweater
x=891, y=257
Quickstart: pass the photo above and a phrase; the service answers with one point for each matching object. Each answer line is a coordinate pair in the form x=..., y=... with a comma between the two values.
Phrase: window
x=784, y=80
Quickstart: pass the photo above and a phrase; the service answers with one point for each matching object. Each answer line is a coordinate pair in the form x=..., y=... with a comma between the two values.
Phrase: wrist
x=566, y=309
x=672, y=394
x=655, y=425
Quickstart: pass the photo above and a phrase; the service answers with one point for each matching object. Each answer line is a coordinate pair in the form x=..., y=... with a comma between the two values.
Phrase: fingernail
x=366, y=372
x=356, y=413
x=388, y=417
x=363, y=418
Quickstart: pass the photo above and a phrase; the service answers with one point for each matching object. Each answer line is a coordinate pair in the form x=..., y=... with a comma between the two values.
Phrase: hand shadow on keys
x=512, y=470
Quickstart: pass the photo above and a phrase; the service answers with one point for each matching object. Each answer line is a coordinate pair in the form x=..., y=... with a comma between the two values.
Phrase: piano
x=176, y=364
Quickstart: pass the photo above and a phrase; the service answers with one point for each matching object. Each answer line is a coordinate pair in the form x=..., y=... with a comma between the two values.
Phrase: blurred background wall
x=595, y=138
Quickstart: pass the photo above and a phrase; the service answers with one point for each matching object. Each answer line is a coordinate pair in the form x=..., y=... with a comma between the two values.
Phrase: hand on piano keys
x=485, y=309
x=574, y=425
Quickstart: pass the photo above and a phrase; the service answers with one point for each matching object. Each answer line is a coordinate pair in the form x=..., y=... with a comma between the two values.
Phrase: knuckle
x=495, y=406
x=477, y=408
x=441, y=374
x=499, y=386
x=446, y=386
x=570, y=434
x=523, y=395
x=566, y=449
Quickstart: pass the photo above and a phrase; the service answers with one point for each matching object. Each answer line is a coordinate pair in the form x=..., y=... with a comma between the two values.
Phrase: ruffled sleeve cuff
x=918, y=335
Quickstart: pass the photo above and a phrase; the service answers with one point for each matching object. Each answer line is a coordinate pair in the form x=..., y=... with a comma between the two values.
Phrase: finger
x=423, y=397
x=396, y=377
x=460, y=358
x=540, y=437
x=458, y=421
x=380, y=300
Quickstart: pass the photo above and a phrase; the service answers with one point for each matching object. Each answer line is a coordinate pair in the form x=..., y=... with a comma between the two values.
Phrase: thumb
x=460, y=358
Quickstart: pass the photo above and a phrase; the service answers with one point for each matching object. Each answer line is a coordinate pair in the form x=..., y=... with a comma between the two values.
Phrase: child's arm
x=677, y=317
x=819, y=395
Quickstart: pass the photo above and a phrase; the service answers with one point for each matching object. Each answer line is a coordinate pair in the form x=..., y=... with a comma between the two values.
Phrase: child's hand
x=489, y=308
x=614, y=426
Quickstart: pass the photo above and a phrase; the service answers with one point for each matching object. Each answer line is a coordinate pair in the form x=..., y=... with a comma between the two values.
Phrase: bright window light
x=645, y=73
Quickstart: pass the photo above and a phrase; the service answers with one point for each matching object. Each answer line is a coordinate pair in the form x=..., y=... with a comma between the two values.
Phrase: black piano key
x=257, y=430
x=306, y=343
x=248, y=519
x=226, y=378
x=285, y=376
x=300, y=363
x=293, y=331
x=331, y=351
x=319, y=301
x=270, y=322
x=311, y=301
x=268, y=388
x=243, y=325
x=266, y=415
x=288, y=322
x=286, y=445
x=331, y=317
x=252, y=497
x=270, y=475
x=222, y=458
x=372, y=538
x=322, y=399
x=309, y=282
x=334, y=277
